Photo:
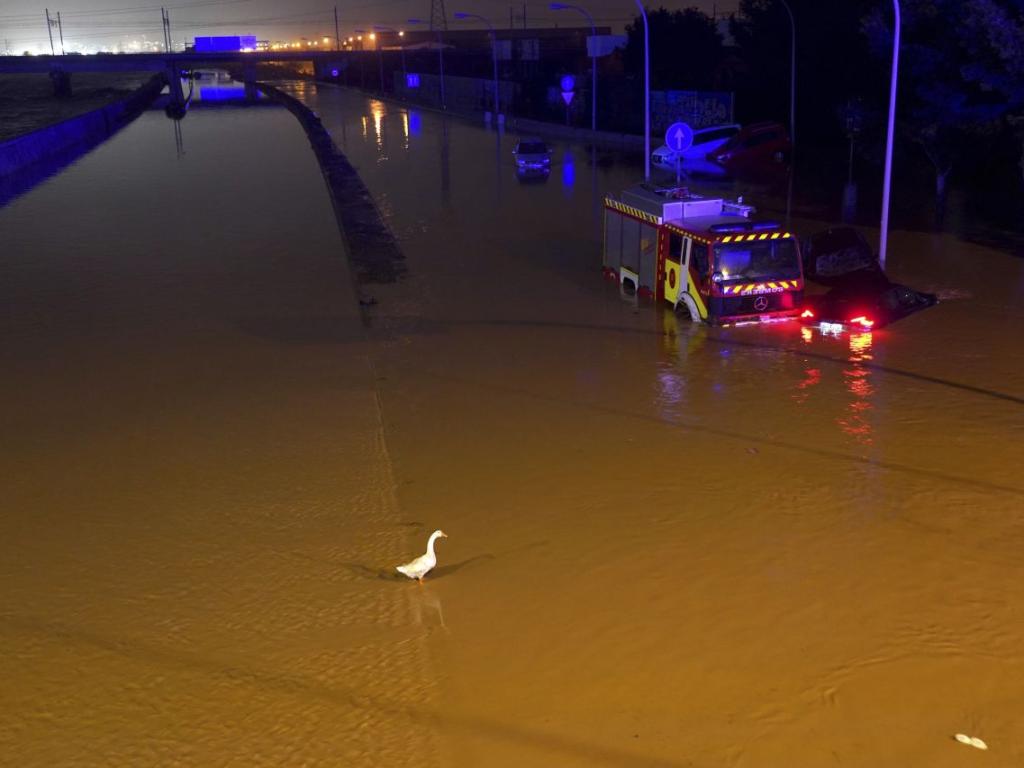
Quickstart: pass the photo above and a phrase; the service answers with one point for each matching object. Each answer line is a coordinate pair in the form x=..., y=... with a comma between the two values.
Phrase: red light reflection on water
x=855, y=420
x=812, y=377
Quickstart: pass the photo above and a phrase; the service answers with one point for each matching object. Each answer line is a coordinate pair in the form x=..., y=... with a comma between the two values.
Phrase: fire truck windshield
x=757, y=260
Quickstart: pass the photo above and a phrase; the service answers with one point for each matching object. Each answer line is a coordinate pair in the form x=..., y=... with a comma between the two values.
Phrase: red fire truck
x=706, y=254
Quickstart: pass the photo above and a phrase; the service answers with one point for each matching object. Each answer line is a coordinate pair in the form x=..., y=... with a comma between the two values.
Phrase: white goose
x=423, y=564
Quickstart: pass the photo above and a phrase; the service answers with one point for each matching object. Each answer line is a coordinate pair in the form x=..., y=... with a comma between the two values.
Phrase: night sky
x=90, y=24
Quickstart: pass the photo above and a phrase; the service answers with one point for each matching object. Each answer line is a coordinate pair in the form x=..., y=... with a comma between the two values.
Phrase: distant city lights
x=144, y=44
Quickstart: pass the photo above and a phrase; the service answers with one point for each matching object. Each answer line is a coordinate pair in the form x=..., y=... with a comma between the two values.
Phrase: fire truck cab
x=702, y=253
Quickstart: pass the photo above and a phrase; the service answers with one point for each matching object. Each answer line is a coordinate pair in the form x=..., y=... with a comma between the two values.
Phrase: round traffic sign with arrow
x=679, y=137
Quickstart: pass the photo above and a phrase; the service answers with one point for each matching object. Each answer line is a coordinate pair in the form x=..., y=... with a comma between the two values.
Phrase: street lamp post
x=380, y=55
x=380, y=60
x=401, y=48
x=593, y=58
x=647, y=92
x=884, y=235
x=792, y=73
x=494, y=51
x=440, y=57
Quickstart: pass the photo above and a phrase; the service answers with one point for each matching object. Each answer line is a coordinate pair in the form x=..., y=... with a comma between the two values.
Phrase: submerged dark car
x=532, y=155
x=861, y=296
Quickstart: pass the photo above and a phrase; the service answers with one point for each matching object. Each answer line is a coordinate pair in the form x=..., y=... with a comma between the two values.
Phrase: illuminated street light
x=380, y=59
x=461, y=15
x=401, y=48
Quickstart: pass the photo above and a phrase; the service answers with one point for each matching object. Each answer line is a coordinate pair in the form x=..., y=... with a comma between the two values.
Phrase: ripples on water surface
x=669, y=545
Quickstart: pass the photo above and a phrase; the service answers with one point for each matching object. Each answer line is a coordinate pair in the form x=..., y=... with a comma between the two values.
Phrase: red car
x=756, y=145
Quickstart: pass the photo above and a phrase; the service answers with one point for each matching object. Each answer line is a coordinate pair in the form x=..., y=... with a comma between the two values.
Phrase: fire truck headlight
x=717, y=277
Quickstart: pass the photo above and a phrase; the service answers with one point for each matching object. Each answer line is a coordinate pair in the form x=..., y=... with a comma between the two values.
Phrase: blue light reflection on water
x=568, y=170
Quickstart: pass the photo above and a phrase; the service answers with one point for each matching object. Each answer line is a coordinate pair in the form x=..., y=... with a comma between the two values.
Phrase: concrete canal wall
x=18, y=155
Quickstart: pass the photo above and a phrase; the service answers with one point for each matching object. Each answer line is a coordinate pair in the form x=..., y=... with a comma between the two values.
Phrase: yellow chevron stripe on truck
x=630, y=210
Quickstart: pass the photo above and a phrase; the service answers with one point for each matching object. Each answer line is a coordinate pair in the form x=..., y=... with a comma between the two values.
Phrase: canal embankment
x=50, y=147
x=28, y=103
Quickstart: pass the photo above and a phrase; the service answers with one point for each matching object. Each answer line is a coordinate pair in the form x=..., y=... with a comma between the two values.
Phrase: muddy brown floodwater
x=668, y=545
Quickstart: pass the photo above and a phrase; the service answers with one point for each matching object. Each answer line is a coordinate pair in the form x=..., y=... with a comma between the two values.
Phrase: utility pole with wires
x=165, y=21
x=438, y=16
x=60, y=30
x=49, y=31
x=337, y=38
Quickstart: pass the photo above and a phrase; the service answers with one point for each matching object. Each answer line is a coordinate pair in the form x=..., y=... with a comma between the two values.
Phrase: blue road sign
x=679, y=137
x=568, y=82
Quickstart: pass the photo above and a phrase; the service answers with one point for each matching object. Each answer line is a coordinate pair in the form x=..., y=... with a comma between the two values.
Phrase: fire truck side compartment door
x=630, y=244
x=612, y=239
x=648, y=262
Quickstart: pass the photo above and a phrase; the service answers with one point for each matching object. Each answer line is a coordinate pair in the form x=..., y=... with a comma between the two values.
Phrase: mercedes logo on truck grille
x=761, y=303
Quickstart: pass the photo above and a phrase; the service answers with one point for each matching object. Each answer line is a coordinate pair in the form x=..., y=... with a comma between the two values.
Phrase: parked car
x=532, y=154
x=705, y=140
x=861, y=296
x=754, y=145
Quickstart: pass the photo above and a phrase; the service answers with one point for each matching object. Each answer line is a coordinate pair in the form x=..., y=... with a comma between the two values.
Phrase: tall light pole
x=593, y=58
x=792, y=73
x=884, y=235
x=49, y=29
x=494, y=51
x=440, y=57
x=401, y=48
x=647, y=92
x=380, y=55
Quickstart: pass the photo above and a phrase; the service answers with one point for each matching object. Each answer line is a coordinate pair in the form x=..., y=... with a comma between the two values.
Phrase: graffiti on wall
x=698, y=109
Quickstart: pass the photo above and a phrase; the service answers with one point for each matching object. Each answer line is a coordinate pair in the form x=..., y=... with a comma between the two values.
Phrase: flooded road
x=668, y=545
x=672, y=545
x=192, y=457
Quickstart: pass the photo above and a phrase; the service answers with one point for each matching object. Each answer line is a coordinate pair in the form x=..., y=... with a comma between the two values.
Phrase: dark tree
x=686, y=49
x=832, y=62
x=960, y=75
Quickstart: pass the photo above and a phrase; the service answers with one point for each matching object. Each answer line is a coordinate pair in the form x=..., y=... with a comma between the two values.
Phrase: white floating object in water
x=971, y=741
x=423, y=564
